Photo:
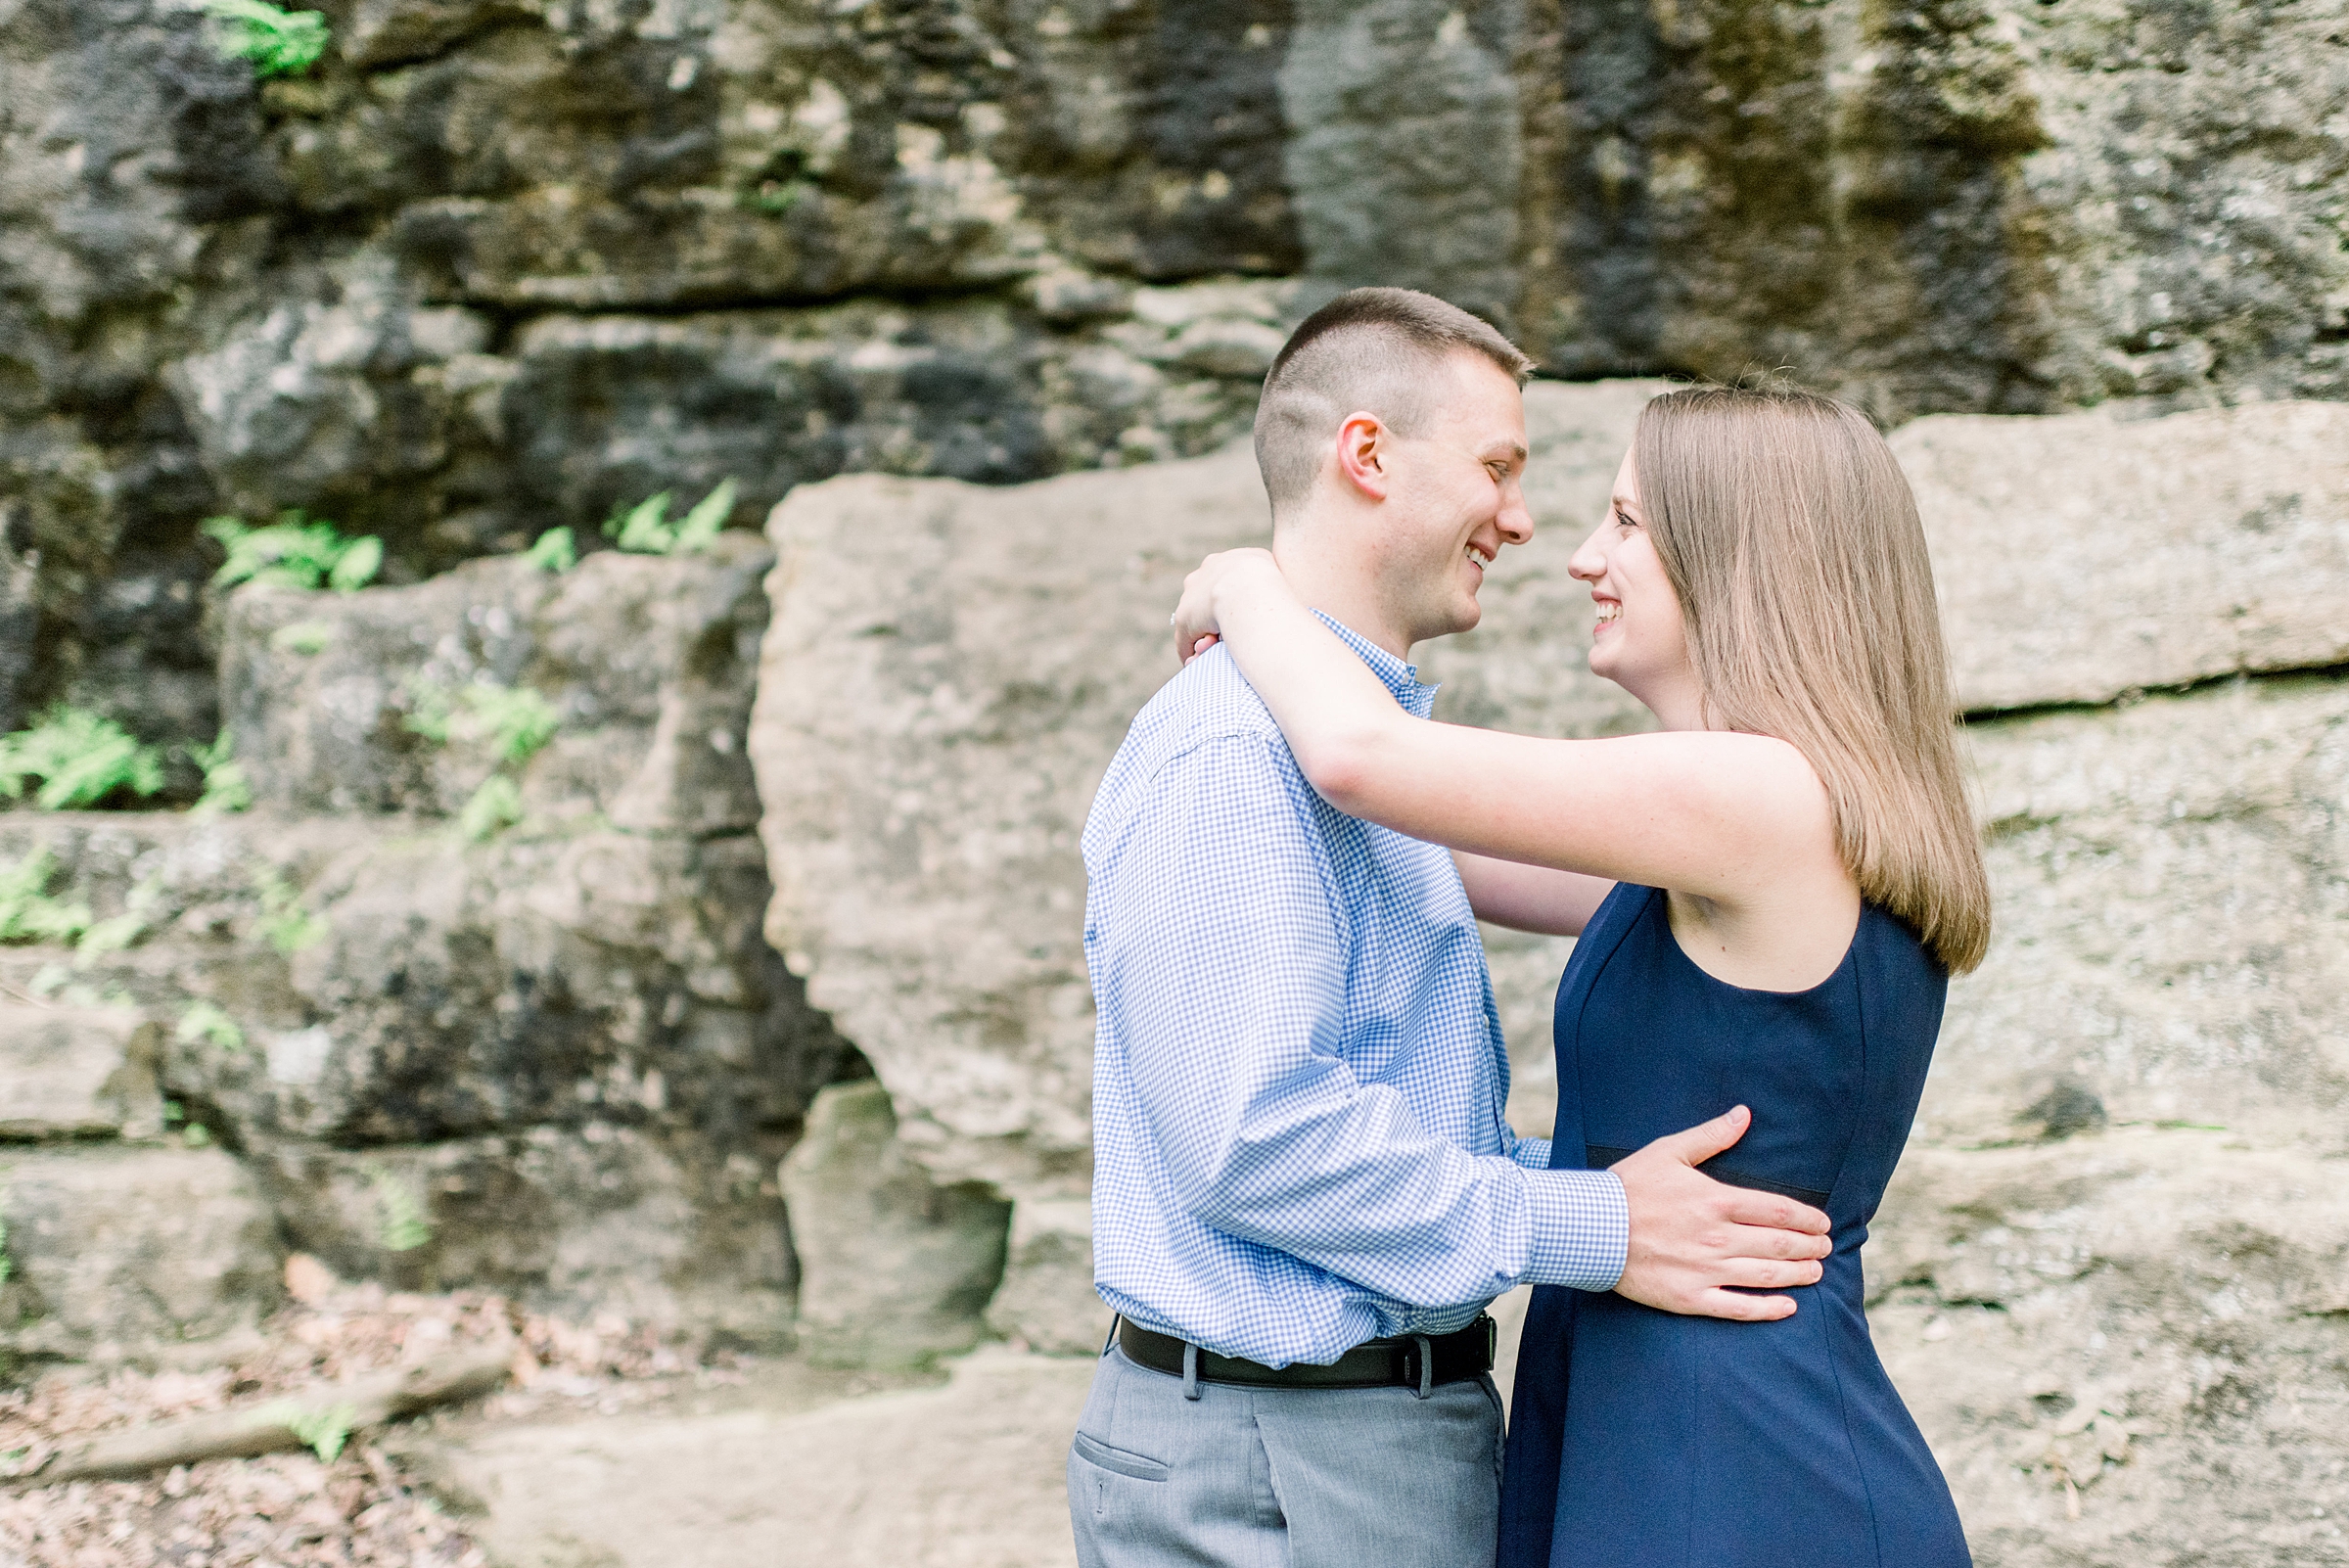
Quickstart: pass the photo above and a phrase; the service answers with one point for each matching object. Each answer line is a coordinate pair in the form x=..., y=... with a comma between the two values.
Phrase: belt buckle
x=1491, y=1340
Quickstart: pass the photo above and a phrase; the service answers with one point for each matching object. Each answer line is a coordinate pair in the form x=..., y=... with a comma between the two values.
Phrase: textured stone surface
x=2173, y=935
x=579, y=1219
x=566, y=1045
x=1982, y=205
x=1046, y=1301
x=2128, y=1348
x=77, y=1073
x=497, y=264
x=114, y=1247
x=925, y=753
x=2083, y=556
x=646, y=663
x=969, y=1475
x=896, y=1268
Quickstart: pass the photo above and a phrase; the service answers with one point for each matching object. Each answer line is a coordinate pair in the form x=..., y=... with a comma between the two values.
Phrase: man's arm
x=1223, y=950
x=1226, y=959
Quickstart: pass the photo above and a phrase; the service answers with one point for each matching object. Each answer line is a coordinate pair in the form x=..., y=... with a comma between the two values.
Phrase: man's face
x=1455, y=496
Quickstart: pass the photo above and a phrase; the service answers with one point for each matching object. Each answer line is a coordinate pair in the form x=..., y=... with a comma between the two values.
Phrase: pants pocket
x=1122, y=1462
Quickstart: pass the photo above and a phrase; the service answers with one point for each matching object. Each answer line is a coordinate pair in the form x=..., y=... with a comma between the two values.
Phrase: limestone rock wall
x=2109, y=1277
x=492, y=265
x=546, y=1051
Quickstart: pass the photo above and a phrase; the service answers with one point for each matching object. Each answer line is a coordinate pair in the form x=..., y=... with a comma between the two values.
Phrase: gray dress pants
x=1283, y=1478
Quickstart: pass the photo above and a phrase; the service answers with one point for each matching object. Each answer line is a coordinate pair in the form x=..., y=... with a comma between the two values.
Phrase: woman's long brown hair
x=1791, y=536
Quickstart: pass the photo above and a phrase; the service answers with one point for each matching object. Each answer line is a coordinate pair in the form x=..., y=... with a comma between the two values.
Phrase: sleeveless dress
x=1641, y=1439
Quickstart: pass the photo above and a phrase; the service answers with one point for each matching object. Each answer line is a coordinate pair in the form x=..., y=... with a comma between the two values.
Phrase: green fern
x=302, y=637
x=555, y=552
x=79, y=758
x=116, y=932
x=205, y=1021
x=294, y=552
x=403, y=1225
x=26, y=911
x=514, y=720
x=279, y=43
x=323, y=1432
x=225, y=787
x=288, y=925
x=492, y=809
x=645, y=530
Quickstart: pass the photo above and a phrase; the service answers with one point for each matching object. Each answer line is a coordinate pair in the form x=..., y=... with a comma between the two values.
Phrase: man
x=1304, y=1195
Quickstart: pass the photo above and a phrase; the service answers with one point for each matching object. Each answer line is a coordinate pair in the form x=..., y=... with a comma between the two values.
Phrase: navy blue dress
x=1641, y=1439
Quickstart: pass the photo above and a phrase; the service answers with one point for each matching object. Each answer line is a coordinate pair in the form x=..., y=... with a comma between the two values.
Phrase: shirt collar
x=1402, y=679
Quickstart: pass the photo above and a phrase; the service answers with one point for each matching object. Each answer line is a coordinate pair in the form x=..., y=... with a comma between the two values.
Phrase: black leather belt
x=1418, y=1361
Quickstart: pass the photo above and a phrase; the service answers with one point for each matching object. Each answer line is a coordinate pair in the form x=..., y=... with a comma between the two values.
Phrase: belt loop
x=1190, y=1371
x=1427, y=1364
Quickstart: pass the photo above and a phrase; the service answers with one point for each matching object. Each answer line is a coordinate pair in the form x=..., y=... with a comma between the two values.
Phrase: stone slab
x=2124, y=1349
x=2172, y=920
x=114, y=1247
x=2087, y=555
x=1046, y=1301
x=646, y=661
x=578, y=1219
x=970, y=1475
x=895, y=1268
x=77, y=1073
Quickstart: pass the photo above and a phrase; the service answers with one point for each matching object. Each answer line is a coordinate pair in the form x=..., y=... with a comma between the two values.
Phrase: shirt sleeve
x=1227, y=957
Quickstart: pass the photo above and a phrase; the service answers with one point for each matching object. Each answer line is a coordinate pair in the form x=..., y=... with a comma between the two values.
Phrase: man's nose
x=1517, y=518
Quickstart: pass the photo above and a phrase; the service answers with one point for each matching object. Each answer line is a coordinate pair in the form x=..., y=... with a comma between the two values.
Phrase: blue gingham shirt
x=1297, y=1071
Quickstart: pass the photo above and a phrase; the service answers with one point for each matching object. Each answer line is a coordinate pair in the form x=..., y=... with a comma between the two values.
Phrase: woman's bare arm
x=1530, y=897
x=1713, y=814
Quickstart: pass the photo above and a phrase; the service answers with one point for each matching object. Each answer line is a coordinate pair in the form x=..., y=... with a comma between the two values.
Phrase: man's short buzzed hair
x=1375, y=350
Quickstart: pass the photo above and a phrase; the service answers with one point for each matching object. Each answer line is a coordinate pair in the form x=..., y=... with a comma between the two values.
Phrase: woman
x=1771, y=894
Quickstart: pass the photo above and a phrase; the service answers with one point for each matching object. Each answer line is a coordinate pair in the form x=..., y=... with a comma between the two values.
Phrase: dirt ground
x=608, y=1448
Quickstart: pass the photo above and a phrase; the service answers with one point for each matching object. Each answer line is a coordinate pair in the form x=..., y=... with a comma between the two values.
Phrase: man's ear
x=1364, y=445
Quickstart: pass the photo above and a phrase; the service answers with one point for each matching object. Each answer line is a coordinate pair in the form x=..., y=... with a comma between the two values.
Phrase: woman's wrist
x=1247, y=573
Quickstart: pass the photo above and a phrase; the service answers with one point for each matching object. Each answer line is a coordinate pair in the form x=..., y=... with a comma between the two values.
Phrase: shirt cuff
x=1532, y=1153
x=1581, y=1228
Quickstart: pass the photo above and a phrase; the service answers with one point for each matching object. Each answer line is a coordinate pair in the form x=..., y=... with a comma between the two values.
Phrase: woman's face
x=1641, y=642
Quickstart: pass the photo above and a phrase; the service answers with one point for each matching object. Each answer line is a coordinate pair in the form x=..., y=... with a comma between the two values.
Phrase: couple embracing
x=1305, y=1195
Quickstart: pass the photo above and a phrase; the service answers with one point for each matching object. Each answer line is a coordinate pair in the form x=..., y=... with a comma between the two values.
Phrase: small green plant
x=225, y=787
x=645, y=530
x=79, y=758
x=196, y=1137
x=401, y=1222
x=279, y=43
x=322, y=1432
x=289, y=926
x=118, y=932
x=515, y=721
x=204, y=1021
x=490, y=810
x=26, y=911
x=555, y=552
x=305, y=637
x=294, y=552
